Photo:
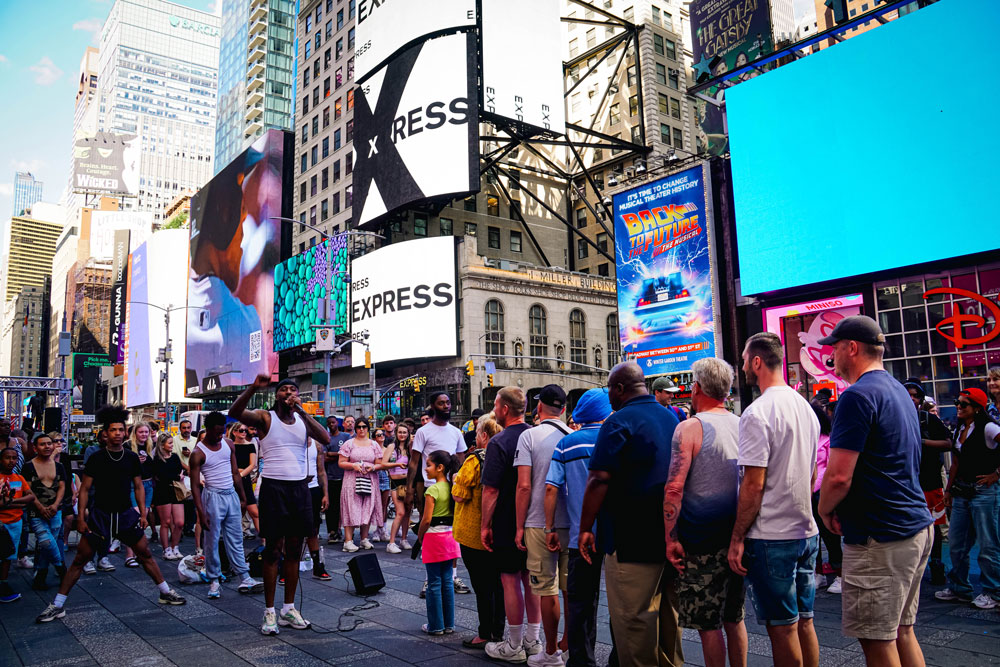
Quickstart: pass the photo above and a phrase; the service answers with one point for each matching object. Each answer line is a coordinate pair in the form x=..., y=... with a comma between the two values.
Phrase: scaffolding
x=14, y=388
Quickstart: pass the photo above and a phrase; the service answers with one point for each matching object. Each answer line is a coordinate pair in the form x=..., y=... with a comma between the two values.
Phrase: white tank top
x=311, y=465
x=218, y=468
x=283, y=450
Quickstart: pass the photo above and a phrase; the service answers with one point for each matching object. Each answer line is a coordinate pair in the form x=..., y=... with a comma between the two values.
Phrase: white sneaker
x=25, y=563
x=270, y=625
x=948, y=595
x=215, y=590
x=177, y=554
x=502, y=650
x=114, y=547
x=406, y=545
x=837, y=587
x=393, y=548
x=105, y=565
x=532, y=647
x=984, y=601
x=543, y=659
x=366, y=544
x=89, y=568
x=350, y=547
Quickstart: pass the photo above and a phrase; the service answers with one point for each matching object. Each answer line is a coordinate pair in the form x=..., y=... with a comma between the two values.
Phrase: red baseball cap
x=978, y=396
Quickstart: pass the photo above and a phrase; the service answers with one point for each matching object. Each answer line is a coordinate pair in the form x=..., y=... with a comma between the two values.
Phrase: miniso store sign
x=178, y=22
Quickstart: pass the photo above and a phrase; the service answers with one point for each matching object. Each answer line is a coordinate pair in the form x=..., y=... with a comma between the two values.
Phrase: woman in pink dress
x=360, y=503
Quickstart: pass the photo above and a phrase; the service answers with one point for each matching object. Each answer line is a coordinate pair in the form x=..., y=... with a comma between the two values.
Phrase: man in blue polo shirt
x=565, y=483
x=871, y=495
x=628, y=471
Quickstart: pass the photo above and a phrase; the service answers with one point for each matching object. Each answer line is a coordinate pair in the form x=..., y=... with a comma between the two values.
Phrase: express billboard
x=106, y=162
x=416, y=132
x=666, y=303
x=726, y=34
x=300, y=294
x=234, y=247
x=524, y=84
x=403, y=301
x=384, y=28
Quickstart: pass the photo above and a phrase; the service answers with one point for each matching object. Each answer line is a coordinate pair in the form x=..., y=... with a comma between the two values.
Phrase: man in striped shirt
x=567, y=480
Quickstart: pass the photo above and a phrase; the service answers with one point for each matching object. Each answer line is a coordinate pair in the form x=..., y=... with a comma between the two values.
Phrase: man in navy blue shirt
x=871, y=495
x=628, y=471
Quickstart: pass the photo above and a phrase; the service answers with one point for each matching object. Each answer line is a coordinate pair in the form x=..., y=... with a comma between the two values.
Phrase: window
x=602, y=269
x=336, y=171
x=658, y=44
x=661, y=73
x=616, y=151
x=324, y=207
x=303, y=163
x=312, y=216
x=350, y=99
x=471, y=229
x=326, y=146
x=616, y=114
x=305, y=132
x=309, y=23
x=305, y=104
x=340, y=19
x=674, y=79
x=326, y=87
x=336, y=140
x=319, y=40
x=668, y=21
x=315, y=155
x=581, y=218
x=302, y=192
x=574, y=47
x=633, y=106
x=348, y=164
x=350, y=131
x=577, y=336
x=629, y=14
x=340, y=77
x=326, y=178
x=340, y=48
x=665, y=133
x=515, y=210
x=636, y=134
x=592, y=38
x=420, y=225
x=309, y=49
x=538, y=339
x=315, y=96
x=329, y=29
x=493, y=205
x=614, y=341
x=315, y=125
x=598, y=154
x=678, y=138
x=338, y=109
x=631, y=76
x=602, y=241
x=348, y=195
x=581, y=249
x=494, y=324
x=675, y=108
x=515, y=241
x=664, y=103
x=305, y=76
x=313, y=185
x=350, y=39
x=493, y=240
x=470, y=204
x=671, y=49
x=336, y=202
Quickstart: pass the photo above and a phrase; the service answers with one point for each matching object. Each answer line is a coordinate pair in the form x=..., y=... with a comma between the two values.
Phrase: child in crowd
x=14, y=497
x=439, y=548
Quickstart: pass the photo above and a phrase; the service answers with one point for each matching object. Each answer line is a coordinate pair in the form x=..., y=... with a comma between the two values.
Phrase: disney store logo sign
x=958, y=320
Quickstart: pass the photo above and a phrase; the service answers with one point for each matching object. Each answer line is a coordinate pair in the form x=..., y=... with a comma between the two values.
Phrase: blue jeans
x=226, y=521
x=48, y=541
x=780, y=578
x=440, y=597
x=975, y=521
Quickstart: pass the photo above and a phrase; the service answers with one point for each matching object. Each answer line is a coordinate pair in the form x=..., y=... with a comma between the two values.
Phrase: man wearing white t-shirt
x=775, y=540
x=437, y=434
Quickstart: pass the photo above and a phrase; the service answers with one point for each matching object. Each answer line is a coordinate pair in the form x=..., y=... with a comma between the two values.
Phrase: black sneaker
x=38, y=583
x=319, y=572
x=171, y=597
x=7, y=593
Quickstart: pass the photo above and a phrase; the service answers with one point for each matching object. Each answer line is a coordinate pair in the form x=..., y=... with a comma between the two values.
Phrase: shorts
x=510, y=559
x=14, y=530
x=316, y=495
x=108, y=526
x=935, y=503
x=147, y=486
x=780, y=578
x=882, y=585
x=548, y=570
x=285, y=509
x=708, y=592
x=383, y=480
x=248, y=492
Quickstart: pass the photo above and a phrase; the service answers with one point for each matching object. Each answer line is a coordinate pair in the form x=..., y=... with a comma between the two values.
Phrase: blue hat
x=593, y=406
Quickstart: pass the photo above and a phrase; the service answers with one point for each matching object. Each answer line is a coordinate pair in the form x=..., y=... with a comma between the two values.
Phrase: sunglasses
x=963, y=404
x=379, y=433
x=360, y=426
x=239, y=430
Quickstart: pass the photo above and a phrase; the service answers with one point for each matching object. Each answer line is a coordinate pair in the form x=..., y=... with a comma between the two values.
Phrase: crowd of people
x=686, y=513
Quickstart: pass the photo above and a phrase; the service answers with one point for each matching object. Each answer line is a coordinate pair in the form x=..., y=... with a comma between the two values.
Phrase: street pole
x=166, y=378
x=326, y=396
x=371, y=383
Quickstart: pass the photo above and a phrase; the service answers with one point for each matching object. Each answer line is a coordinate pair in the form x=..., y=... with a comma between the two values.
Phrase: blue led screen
x=876, y=153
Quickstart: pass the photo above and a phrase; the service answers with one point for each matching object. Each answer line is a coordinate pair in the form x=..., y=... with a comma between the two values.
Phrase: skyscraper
x=27, y=191
x=256, y=73
x=158, y=79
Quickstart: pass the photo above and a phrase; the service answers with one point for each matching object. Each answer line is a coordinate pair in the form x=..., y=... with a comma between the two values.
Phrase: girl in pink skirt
x=439, y=548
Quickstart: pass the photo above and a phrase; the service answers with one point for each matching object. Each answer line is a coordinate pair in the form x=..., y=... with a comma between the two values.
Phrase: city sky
x=40, y=54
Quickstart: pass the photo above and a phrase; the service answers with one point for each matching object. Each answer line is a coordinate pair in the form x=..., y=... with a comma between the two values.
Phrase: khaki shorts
x=882, y=585
x=545, y=567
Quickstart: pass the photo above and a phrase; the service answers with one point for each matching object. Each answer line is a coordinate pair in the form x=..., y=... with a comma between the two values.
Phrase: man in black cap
x=547, y=570
x=935, y=440
x=871, y=495
x=663, y=391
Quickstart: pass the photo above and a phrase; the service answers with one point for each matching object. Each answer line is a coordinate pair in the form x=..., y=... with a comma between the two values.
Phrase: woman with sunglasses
x=397, y=457
x=360, y=500
x=974, y=497
x=246, y=461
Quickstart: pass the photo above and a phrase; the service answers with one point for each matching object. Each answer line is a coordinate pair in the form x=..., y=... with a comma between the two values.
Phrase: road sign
x=82, y=419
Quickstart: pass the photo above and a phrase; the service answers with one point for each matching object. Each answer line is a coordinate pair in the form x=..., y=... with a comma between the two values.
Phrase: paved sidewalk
x=114, y=619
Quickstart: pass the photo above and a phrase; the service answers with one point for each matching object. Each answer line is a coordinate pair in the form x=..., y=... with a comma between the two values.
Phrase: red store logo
x=959, y=320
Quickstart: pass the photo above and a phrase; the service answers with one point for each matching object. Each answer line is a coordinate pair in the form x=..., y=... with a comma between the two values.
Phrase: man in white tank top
x=699, y=510
x=220, y=504
x=283, y=498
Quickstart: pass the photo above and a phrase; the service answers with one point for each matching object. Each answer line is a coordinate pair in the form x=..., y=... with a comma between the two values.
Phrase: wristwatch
x=549, y=531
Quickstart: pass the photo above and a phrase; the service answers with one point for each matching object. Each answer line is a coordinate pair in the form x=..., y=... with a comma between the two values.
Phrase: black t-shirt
x=499, y=472
x=113, y=478
x=46, y=495
x=931, y=428
x=166, y=472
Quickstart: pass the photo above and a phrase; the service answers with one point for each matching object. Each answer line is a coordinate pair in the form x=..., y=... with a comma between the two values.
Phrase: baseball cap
x=663, y=383
x=552, y=395
x=978, y=396
x=915, y=383
x=287, y=381
x=860, y=328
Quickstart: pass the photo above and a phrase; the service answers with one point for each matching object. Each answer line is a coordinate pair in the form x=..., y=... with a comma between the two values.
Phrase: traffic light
x=489, y=379
x=368, y=358
x=470, y=368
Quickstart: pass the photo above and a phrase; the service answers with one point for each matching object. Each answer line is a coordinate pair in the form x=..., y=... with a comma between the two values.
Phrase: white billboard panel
x=416, y=131
x=384, y=28
x=104, y=224
x=522, y=62
x=403, y=297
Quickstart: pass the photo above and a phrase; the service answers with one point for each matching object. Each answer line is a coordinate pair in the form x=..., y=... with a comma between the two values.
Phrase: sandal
x=131, y=562
x=472, y=643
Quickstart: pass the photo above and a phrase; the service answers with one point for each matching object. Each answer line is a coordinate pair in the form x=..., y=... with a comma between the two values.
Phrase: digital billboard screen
x=524, y=84
x=403, y=299
x=300, y=288
x=843, y=184
x=416, y=128
x=106, y=162
x=86, y=378
x=666, y=304
x=386, y=27
x=234, y=247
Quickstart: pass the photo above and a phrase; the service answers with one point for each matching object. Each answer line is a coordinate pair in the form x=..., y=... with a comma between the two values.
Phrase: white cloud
x=3, y=59
x=6, y=189
x=215, y=7
x=46, y=72
x=93, y=26
x=34, y=166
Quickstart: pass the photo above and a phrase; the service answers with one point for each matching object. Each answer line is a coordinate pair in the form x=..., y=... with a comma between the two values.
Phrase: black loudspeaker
x=367, y=574
x=53, y=420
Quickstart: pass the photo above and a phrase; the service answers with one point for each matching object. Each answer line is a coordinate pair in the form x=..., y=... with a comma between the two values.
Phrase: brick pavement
x=114, y=619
